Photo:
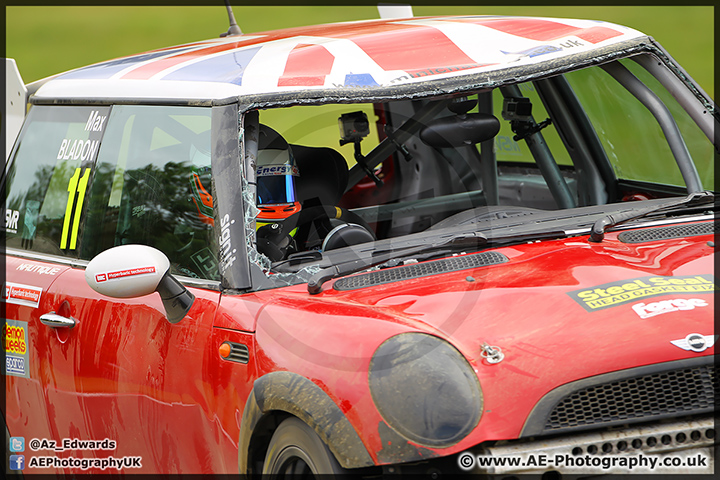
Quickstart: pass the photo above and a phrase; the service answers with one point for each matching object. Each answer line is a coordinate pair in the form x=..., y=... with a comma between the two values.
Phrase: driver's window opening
x=339, y=175
x=331, y=176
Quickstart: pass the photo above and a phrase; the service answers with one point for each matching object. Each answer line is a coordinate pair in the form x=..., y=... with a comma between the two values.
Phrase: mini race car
x=421, y=246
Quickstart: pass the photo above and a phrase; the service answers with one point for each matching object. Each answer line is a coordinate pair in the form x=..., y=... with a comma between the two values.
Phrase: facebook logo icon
x=17, y=462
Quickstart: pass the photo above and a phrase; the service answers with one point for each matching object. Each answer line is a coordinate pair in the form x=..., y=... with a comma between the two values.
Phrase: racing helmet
x=275, y=177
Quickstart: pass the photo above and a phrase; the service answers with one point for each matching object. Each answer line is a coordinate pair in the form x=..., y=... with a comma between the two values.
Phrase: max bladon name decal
x=624, y=291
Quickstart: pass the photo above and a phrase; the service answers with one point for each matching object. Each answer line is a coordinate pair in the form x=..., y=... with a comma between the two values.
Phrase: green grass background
x=47, y=40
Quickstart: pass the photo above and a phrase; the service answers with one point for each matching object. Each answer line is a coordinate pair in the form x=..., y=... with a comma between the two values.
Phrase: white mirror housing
x=136, y=270
x=127, y=271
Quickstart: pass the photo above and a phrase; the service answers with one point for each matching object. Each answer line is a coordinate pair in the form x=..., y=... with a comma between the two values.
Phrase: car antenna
x=234, y=29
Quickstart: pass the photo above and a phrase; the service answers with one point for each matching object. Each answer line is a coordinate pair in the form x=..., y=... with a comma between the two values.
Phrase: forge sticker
x=19, y=294
x=624, y=291
x=15, y=339
x=666, y=306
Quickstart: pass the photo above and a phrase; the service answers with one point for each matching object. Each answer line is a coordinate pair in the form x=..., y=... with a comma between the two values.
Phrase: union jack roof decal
x=377, y=53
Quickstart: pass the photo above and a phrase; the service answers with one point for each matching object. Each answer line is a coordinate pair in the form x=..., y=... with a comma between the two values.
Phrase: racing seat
x=323, y=175
x=322, y=182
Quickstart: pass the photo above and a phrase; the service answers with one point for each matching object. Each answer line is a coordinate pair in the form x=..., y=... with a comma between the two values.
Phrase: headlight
x=425, y=389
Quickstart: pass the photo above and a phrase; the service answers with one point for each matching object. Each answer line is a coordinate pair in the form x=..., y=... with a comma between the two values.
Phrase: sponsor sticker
x=104, y=277
x=624, y=291
x=39, y=269
x=666, y=306
x=227, y=252
x=15, y=339
x=270, y=170
x=11, y=220
x=536, y=51
x=19, y=294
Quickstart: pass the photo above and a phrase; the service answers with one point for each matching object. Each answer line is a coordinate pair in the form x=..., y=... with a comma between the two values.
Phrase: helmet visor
x=275, y=172
x=275, y=189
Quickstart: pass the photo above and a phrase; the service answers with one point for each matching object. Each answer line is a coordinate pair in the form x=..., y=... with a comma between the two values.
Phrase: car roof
x=351, y=59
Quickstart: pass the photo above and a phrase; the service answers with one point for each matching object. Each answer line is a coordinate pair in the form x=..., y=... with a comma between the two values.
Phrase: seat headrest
x=323, y=174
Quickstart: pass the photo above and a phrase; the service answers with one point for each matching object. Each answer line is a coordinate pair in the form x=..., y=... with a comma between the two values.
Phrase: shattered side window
x=248, y=142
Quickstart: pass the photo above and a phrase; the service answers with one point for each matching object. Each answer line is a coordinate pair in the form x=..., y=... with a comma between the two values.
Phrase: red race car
x=428, y=245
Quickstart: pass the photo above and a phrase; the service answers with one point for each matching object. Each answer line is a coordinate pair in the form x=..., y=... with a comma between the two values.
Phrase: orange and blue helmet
x=275, y=176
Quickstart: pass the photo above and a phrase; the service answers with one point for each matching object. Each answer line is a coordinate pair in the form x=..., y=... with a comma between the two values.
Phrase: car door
x=142, y=381
x=116, y=369
x=45, y=186
x=29, y=348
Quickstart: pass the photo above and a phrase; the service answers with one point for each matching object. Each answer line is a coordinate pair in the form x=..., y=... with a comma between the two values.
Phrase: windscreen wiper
x=415, y=258
x=464, y=240
x=391, y=257
x=598, y=230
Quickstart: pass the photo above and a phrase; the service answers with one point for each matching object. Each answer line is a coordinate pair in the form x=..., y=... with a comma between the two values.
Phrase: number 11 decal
x=79, y=185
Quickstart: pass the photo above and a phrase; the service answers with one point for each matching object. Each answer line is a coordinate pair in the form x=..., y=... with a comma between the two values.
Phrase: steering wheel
x=319, y=217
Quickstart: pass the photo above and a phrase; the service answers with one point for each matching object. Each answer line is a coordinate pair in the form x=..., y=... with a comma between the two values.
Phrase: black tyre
x=296, y=451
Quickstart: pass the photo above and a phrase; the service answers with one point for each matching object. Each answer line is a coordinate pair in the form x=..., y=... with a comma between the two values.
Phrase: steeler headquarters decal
x=624, y=291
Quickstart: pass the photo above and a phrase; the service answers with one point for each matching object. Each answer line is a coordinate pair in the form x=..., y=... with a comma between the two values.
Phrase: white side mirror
x=131, y=271
x=127, y=271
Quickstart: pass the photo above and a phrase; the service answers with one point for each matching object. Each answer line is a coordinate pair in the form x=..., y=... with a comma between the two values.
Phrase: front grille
x=686, y=437
x=670, y=393
x=420, y=270
x=666, y=233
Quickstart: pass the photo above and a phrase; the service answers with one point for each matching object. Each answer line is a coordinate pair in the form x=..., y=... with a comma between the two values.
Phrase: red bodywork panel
x=127, y=374
x=522, y=306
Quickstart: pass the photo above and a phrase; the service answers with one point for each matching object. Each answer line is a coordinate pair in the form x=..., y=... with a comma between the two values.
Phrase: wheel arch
x=276, y=396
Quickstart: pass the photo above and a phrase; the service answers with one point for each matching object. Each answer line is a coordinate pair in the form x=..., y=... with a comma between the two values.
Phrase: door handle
x=54, y=320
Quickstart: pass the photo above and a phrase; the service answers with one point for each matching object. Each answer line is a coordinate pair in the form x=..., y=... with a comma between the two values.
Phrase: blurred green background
x=47, y=40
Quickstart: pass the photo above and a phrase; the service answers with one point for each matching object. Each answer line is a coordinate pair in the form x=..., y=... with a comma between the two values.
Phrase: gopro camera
x=517, y=109
x=353, y=127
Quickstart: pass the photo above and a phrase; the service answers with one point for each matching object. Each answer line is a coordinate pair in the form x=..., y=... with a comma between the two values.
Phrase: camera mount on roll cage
x=353, y=128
